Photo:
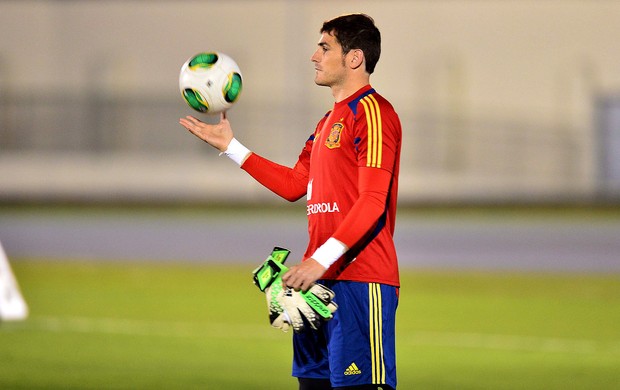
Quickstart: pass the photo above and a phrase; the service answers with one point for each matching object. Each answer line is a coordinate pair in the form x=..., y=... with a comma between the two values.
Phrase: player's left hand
x=303, y=275
x=287, y=307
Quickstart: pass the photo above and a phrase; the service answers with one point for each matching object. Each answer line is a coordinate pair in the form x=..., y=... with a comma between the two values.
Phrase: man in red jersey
x=348, y=171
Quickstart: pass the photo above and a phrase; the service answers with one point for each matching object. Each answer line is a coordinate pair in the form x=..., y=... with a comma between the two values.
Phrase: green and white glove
x=287, y=307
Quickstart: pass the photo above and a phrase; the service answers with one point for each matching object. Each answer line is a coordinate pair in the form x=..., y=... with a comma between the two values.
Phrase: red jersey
x=348, y=170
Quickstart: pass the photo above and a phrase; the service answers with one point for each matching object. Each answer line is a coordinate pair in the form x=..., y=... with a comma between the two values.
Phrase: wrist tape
x=236, y=151
x=329, y=252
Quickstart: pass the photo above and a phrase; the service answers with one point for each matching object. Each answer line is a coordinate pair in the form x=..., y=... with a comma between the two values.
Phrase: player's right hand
x=217, y=135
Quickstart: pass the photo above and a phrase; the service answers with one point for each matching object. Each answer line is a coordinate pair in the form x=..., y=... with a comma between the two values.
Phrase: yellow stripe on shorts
x=376, y=333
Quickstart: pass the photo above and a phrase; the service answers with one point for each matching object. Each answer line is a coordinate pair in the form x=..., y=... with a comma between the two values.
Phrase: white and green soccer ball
x=210, y=82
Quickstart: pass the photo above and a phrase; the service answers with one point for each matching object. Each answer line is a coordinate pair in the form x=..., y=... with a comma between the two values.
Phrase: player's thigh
x=310, y=357
x=361, y=337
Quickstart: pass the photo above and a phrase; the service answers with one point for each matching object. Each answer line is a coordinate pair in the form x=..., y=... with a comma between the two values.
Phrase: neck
x=341, y=92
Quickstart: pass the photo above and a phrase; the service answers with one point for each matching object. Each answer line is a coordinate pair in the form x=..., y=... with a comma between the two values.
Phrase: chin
x=321, y=82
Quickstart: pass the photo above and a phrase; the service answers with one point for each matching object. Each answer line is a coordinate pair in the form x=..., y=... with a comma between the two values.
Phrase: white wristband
x=236, y=151
x=329, y=252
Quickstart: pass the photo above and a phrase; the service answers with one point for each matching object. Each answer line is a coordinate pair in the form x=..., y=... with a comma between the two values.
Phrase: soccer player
x=348, y=171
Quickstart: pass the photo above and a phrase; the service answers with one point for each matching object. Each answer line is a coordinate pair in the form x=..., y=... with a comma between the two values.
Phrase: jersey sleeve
x=378, y=132
x=374, y=187
x=289, y=183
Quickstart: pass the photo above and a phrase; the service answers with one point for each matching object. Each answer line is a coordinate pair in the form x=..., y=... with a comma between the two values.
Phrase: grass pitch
x=120, y=325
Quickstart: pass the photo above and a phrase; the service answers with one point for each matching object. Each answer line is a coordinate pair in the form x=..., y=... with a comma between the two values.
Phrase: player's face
x=329, y=63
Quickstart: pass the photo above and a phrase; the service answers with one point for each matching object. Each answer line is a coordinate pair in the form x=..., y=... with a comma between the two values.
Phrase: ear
x=356, y=58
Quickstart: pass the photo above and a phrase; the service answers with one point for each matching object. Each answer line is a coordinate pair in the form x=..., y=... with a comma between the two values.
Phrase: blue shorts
x=357, y=347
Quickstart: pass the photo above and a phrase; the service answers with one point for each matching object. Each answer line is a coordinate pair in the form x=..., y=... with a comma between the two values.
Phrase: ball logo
x=232, y=89
x=203, y=61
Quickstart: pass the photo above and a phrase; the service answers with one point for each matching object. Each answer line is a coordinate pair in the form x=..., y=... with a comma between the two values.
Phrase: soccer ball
x=210, y=82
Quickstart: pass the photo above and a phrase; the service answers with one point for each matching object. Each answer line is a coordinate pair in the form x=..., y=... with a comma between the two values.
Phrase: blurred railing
x=445, y=159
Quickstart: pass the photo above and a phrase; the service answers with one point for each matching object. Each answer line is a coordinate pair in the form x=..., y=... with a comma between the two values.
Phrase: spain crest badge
x=333, y=139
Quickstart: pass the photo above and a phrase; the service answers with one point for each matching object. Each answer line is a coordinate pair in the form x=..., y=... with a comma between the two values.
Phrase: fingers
x=295, y=280
x=189, y=121
x=303, y=276
x=195, y=126
x=217, y=135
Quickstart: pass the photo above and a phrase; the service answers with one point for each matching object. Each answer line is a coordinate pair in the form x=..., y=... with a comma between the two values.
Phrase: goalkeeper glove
x=287, y=307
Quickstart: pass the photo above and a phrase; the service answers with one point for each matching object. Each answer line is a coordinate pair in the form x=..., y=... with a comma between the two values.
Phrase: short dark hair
x=356, y=31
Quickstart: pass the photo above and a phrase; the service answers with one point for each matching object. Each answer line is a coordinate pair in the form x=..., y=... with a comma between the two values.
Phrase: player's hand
x=217, y=135
x=303, y=275
x=287, y=307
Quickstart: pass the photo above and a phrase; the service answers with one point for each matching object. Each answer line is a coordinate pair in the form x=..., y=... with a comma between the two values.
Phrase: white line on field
x=256, y=331
x=506, y=342
x=148, y=328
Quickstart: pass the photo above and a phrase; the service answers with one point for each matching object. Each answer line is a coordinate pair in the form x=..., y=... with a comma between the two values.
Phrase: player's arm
x=289, y=183
x=374, y=187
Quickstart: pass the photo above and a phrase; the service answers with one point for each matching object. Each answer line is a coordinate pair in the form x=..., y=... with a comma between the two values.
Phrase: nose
x=314, y=57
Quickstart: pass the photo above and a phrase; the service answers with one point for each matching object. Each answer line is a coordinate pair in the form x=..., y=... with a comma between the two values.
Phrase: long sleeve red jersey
x=348, y=170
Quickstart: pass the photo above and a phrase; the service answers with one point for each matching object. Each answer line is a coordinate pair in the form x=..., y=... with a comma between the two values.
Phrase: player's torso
x=339, y=148
x=332, y=187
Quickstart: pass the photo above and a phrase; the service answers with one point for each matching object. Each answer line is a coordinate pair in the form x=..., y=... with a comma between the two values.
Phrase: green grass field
x=163, y=326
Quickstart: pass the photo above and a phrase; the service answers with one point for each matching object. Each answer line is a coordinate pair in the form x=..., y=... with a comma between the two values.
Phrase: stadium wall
x=501, y=101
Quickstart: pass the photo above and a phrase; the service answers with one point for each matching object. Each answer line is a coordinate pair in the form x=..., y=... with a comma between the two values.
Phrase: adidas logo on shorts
x=352, y=370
